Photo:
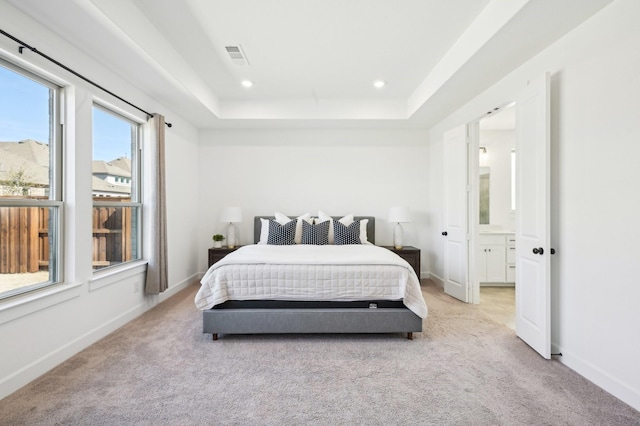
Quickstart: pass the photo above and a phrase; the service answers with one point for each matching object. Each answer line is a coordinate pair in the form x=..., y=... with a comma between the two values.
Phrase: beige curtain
x=157, y=279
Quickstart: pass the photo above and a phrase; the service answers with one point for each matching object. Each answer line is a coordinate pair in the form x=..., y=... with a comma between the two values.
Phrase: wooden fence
x=24, y=237
x=111, y=235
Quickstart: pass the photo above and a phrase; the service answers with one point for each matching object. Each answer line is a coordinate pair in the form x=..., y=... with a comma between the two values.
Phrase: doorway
x=492, y=166
x=532, y=214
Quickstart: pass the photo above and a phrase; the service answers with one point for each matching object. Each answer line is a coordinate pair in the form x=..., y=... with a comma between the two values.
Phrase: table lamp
x=398, y=215
x=231, y=215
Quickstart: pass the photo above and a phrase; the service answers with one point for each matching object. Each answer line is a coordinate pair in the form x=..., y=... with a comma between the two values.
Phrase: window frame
x=136, y=203
x=55, y=202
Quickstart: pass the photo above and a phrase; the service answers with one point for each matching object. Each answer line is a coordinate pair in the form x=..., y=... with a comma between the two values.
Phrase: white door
x=455, y=214
x=532, y=219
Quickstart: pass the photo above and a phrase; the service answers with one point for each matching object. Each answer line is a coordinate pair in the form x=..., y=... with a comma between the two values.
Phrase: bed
x=307, y=288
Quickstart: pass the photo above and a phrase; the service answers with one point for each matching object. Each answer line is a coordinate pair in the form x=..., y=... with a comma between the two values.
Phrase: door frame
x=473, y=171
x=538, y=335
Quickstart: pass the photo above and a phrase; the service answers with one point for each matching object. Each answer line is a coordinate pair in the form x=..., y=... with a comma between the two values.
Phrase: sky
x=24, y=114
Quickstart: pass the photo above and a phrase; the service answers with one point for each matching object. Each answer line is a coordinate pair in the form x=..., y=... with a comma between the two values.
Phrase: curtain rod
x=24, y=45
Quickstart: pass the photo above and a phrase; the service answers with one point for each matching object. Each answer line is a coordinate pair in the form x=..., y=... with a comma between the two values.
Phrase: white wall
x=295, y=171
x=595, y=207
x=42, y=329
x=183, y=187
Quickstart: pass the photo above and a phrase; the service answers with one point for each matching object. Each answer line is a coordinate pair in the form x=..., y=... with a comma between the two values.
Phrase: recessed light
x=379, y=84
x=247, y=83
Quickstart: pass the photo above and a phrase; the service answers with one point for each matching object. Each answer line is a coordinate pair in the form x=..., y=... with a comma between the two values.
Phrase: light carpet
x=463, y=368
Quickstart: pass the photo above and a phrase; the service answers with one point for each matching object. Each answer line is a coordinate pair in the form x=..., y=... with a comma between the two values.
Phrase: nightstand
x=215, y=254
x=410, y=254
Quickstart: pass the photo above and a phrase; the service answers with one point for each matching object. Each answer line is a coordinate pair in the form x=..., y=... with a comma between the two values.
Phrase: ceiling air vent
x=237, y=55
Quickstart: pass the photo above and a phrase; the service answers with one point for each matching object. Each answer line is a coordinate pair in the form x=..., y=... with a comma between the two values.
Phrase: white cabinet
x=511, y=258
x=496, y=258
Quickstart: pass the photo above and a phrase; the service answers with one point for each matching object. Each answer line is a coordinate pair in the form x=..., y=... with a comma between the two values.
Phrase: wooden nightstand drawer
x=410, y=254
x=215, y=254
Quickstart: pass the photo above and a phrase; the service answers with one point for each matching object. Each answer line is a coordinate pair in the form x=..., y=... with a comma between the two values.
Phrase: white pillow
x=264, y=231
x=282, y=219
x=363, y=231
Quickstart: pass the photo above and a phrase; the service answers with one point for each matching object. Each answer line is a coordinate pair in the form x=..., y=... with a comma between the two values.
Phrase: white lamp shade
x=399, y=214
x=231, y=214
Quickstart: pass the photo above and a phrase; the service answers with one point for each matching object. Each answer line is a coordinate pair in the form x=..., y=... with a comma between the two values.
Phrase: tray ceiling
x=310, y=62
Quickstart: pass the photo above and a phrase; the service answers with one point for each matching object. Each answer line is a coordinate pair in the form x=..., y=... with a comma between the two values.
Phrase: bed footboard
x=283, y=321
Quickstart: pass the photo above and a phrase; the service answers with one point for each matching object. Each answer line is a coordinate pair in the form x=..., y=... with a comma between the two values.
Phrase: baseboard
x=42, y=365
x=613, y=385
x=171, y=291
x=497, y=285
x=438, y=280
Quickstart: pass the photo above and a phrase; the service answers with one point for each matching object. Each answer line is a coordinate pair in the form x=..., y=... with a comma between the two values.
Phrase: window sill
x=29, y=303
x=116, y=274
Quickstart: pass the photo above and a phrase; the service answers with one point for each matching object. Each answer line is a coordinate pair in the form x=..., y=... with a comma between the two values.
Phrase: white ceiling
x=312, y=62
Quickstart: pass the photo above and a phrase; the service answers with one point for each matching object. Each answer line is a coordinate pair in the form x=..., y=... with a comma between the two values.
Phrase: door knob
x=445, y=233
x=553, y=251
x=539, y=250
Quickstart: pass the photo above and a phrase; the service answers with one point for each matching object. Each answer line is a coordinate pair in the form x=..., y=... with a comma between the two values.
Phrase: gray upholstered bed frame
x=316, y=318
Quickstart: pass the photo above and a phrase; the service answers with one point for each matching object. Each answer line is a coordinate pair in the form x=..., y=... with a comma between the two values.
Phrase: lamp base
x=231, y=235
x=397, y=236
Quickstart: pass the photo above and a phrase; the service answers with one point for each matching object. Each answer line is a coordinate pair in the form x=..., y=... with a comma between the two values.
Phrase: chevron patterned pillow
x=343, y=235
x=317, y=234
x=282, y=235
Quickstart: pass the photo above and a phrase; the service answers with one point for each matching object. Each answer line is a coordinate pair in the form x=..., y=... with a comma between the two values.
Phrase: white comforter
x=311, y=272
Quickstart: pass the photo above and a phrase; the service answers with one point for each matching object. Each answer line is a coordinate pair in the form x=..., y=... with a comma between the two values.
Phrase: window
x=30, y=182
x=117, y=207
